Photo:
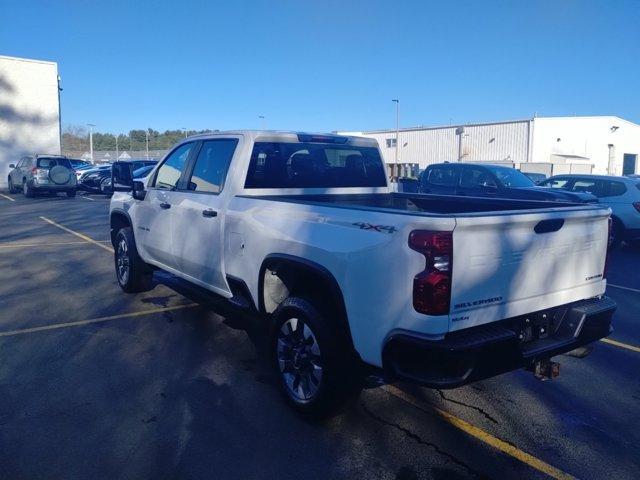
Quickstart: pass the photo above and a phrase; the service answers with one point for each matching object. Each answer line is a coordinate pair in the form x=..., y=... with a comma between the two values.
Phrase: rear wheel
x=616, y=234
x=133, y=274
x=318, y=373
x=26, y=189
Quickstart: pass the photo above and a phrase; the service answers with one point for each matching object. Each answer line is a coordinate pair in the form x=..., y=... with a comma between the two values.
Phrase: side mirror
x=121, y=178
x=138, y=191
x=11, y=165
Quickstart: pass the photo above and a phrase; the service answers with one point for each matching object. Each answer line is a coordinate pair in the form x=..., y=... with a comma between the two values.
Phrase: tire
x=318, y=370
x=12, y=189
x=617, y=233
x=71, y=193
x=133, y=274
x=27, y=190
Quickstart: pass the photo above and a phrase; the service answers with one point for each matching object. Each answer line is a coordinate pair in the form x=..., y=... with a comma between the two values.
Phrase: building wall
x=29, y=110
x=425, y=146
x=577, y=142
x=586, y=140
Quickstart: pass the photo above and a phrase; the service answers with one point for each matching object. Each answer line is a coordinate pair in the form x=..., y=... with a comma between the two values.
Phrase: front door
x=154, y=213
x=198, y=215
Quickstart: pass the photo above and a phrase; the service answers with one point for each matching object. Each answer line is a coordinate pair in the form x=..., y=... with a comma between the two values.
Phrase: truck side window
x=170, y=171
x=211, y=166
x=443, y=176
x=475, y=178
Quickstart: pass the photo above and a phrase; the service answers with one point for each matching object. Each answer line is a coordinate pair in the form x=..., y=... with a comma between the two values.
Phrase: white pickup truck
x=304, y=230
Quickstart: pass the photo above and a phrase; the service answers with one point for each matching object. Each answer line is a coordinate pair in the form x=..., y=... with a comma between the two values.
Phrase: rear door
x=440, y=179
x=153, y=214
x=198, y=214
x=516, y=263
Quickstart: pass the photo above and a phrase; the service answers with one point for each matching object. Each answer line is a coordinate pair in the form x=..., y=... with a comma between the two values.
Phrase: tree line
x=76, y=139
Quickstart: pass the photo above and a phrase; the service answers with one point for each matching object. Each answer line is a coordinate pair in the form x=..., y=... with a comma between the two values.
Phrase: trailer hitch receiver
x=545, y=369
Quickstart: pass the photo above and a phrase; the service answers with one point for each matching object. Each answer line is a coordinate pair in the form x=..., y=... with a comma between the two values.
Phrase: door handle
x=165, y=205
x=209, y=213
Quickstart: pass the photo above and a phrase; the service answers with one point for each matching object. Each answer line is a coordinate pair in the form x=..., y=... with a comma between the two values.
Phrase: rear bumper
x=488, y=350
x=52, y=187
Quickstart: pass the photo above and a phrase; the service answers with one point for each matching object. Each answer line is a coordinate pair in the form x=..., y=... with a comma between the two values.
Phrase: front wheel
x=133, y=274
x=12, y=189
x=318, y=372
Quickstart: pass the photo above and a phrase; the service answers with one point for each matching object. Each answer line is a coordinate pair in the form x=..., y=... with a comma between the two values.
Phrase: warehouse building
x=550, y=145
x=29, y=110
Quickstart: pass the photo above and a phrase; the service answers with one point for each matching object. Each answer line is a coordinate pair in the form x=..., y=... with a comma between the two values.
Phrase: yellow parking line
x=7, y=197
x=24, y=245
x=77, y=234
x=57, y=326
x=484, y=437
x=616, y=343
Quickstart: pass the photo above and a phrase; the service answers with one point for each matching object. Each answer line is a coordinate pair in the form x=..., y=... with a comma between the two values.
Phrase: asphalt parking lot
x=95, y=383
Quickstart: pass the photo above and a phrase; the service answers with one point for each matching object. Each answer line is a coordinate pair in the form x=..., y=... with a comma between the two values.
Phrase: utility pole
x=185, y=132
x=91, y=125
x=146, y=133
x=116, y=147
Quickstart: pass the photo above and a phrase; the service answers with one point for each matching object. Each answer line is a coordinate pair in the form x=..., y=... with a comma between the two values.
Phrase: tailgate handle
x=546, y=226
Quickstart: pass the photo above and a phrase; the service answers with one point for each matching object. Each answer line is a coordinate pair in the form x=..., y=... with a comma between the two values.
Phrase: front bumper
x=488, y=350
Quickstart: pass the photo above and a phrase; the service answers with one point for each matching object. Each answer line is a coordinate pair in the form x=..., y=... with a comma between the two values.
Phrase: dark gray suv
x=42, y=173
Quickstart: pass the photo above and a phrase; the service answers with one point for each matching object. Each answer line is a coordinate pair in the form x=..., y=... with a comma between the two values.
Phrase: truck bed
x=413, y=203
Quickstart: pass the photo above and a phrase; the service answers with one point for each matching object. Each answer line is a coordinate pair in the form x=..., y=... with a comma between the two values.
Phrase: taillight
x=34, y=170
x=636, y=205
x=432, y=286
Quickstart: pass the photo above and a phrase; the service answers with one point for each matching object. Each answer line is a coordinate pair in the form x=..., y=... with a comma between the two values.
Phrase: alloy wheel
x=299, y=360
x=122, y=261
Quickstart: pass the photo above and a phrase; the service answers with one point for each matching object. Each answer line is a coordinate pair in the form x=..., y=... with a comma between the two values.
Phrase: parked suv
x=42, y=173
x=621, y=194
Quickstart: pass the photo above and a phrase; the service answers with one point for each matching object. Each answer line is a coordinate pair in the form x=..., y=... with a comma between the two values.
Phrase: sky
x=330, y=65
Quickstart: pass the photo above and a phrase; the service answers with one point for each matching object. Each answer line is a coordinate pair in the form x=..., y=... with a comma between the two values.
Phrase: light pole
x=263, y=123
x=91, y=125
x=146, y=134
x=185, y=132
x=116, y=147
x=397, y=102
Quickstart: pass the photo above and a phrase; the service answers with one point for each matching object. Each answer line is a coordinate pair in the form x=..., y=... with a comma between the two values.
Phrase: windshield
x=510, y=177
x=314, y=165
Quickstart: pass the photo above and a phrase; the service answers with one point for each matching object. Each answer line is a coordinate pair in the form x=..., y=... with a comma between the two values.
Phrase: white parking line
x=623, y=288
x=7, y=197
x=88, y=198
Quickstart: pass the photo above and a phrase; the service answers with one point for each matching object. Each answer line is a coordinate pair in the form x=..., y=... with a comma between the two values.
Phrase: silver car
x=42, y=173
x=621, y=194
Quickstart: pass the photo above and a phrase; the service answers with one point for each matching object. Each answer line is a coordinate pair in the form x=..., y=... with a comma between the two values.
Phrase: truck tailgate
x=516, y=263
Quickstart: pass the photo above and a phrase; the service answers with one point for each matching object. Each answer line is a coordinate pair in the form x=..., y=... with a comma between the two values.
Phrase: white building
x=601, y=145
x=29, y=110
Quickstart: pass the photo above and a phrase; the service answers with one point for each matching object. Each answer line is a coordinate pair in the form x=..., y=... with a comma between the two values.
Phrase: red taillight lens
x=636, y=205
x=432, y=286
x=34, y=170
